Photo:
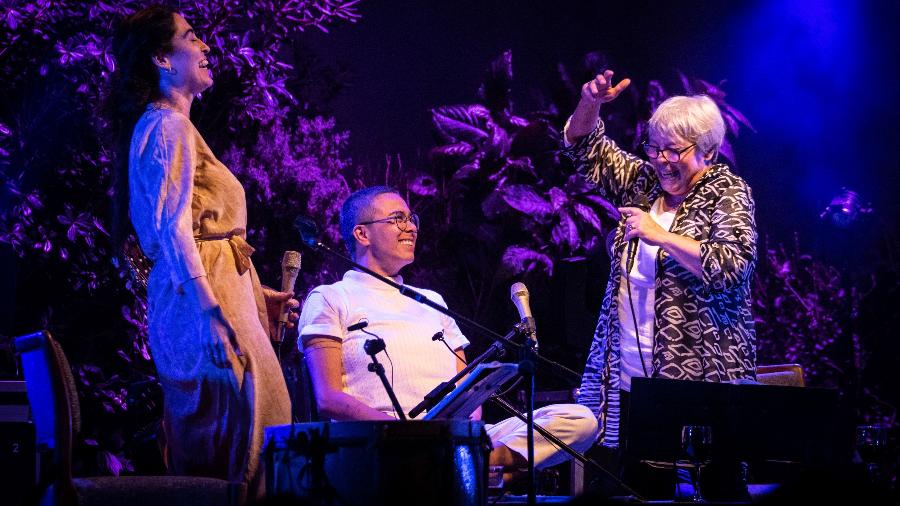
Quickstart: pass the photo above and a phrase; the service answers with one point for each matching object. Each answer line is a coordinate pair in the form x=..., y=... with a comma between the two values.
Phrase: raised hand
x=600, y=90
x=595, y=92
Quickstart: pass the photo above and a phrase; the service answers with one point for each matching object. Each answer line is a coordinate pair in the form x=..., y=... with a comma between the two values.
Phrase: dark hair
x=133, y=85
x=355, y=209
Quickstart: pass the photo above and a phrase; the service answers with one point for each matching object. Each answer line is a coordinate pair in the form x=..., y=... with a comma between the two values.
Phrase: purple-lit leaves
x=423, y=185
x=460, y=123
x=510, y=158
x=56, y=62
x=497, y=85
x=518, y=260
x=526, y=200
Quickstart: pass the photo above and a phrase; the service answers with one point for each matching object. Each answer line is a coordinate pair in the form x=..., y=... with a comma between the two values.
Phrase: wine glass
x=871, y=444
x=696, y=445
x=495, y=480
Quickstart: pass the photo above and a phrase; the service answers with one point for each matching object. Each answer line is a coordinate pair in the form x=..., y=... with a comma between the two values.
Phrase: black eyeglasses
x=401, y=220
x=671, y=155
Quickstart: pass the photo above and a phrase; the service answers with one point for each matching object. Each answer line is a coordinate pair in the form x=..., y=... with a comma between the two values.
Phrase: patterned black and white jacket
x=704, y=326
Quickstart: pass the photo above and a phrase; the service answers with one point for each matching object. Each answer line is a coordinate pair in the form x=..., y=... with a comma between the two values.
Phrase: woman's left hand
x=639, y=224
x=274, y=300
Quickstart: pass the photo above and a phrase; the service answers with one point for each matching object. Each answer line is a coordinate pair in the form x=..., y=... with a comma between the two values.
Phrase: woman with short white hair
x=681, y=308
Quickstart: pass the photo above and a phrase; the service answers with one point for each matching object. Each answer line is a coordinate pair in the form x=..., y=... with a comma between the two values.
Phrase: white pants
x=573, y=424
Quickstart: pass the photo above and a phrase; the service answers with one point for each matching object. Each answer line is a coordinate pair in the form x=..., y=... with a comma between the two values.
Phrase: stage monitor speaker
x=18, y=463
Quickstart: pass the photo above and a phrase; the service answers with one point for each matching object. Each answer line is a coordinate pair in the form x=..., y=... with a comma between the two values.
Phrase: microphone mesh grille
x=291, y=259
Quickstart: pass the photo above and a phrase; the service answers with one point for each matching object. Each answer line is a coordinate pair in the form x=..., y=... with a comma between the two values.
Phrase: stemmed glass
x=696, y=445
x=871, y=444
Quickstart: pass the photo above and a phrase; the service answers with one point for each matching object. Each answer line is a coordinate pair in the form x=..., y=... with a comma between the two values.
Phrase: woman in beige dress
x=208, y=318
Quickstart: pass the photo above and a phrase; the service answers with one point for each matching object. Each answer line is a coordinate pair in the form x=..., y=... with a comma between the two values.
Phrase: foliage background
x=498, y=203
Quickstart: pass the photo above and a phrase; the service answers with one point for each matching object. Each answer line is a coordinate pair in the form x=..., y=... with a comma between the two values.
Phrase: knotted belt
x=241, y=249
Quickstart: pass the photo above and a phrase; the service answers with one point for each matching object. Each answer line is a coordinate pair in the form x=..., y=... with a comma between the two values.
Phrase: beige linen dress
x=190, y=215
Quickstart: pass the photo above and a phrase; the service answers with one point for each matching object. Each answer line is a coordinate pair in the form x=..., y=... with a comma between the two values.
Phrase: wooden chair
x=57, y=419
x=789, y=375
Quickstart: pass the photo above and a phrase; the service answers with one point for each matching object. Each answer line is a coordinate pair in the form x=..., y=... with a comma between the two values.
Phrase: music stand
x=482, y=383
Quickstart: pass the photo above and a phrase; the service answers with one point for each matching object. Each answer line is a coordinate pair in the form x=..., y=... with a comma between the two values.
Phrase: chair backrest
x=54, y=404
x=789, y=375
x=308, y=408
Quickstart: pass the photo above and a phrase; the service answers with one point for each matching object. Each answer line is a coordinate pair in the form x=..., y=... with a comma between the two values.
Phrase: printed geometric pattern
x=704, y=327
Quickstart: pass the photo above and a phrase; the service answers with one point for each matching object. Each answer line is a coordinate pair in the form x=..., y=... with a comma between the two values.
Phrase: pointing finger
x=621, y=86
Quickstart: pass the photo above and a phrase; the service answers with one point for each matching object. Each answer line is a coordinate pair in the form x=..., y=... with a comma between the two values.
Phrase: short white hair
x=695, y=119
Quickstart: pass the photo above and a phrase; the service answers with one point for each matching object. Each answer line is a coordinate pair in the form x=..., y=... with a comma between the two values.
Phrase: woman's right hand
x=219, y=337
x=594, y=93
x=600, y=90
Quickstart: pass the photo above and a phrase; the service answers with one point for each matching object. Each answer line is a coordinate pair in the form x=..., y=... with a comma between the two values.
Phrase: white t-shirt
x=643, y=294
x=417, y=363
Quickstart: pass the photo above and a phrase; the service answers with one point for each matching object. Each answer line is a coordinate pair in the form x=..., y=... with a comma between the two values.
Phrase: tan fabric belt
x=242, y=250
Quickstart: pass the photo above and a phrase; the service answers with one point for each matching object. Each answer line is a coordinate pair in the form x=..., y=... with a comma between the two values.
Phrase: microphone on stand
x=519, y=295
x=640, y=201
x=290, y=267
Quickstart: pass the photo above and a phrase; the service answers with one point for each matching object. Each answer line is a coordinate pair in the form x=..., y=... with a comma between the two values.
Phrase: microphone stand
x=372, y=347
x=439, y=392
x=309, y=234
x=526, y=369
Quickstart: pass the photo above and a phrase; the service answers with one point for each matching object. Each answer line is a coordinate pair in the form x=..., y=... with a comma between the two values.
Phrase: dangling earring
x=171, y=71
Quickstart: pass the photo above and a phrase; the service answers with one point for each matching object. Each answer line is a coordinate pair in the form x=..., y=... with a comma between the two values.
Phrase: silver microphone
x=290, y=267
x=519, y=295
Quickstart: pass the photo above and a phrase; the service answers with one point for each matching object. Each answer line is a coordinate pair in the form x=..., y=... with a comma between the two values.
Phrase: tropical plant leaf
x=726, y=151
x=611, y=211
x=738, y=115
x=714, y=92
x=535, y=138
x=522, y=165
x=467, y=171
x=686, y=83
x=577, y=185
x=525, y=199
x=655, y=94
x=588, y=215
x=423, y=185
x=558, y=198
x=521, y=260
x=466, y=123
x=494, y=205
x=565, y=232
x=499, y=143
x=495, y=90
x=731, y=124
x=453, y=151
x=565, y=80
x=595, y=62
x=517, y=121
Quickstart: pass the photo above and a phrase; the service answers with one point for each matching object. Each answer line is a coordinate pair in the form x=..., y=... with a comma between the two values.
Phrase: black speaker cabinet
x=17, y=461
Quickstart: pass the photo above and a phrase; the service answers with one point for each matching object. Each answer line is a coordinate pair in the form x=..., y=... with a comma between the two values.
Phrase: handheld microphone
x=290, y=267
x=640, y=201
x=519, y=295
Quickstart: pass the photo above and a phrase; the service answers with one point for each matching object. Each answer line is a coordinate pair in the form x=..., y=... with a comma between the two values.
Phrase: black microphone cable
x=361, y=326
x=637, y=333
x=439, y=336
x=640, y=201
